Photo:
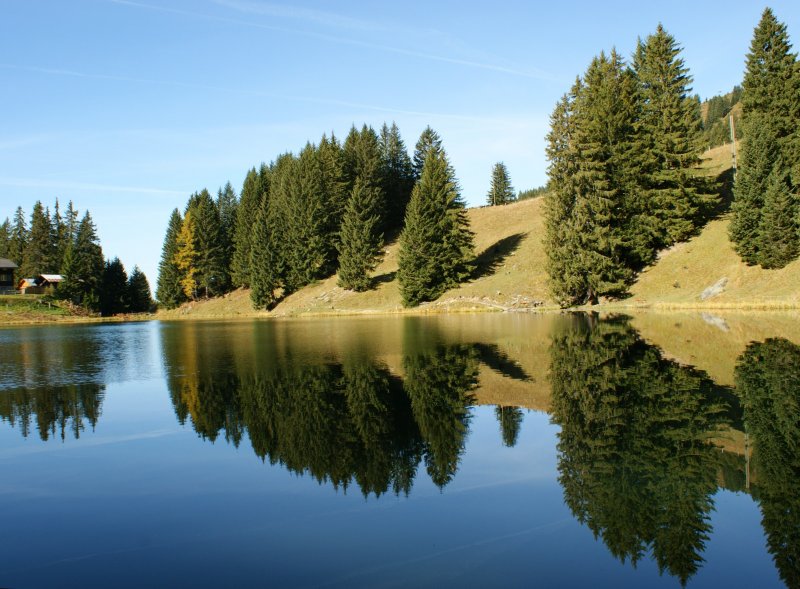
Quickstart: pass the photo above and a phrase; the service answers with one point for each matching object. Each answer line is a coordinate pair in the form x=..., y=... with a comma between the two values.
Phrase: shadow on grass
x=490, y=259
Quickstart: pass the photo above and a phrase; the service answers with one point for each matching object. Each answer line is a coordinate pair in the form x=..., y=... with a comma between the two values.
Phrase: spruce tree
x=169, y=291
x=114, y=289
x=249, y=205
x=68, y=233
x=5, y=238
x=770, y=111
x=591, y=186
x=671, y=197
x=209, y=246
x=18, y=240
x=779, y=234
x=429, y=140
x=501, y=192
x=227, y=204
x=334, y=189
x=265, y=262
x=436, y=248
x=139, y=298
x=83, y=266
x=397, y=175
x=360, y=240
x=37, y=250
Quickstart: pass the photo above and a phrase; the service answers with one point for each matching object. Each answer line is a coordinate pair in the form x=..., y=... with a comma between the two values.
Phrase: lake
x=508, y=450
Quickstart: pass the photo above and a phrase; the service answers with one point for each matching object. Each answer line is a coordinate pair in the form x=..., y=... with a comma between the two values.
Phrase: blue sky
x=128, y=106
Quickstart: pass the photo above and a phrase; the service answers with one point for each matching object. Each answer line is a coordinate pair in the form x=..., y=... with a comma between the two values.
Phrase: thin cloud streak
x=243, y=92
x=67, y=185
x=532, y=74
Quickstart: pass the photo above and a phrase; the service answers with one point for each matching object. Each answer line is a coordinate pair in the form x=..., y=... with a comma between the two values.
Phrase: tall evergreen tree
x=671, y=197
x=37, y=256
x=139, y=298
x=770, y=111
x=361, y=240
x=334, y=189
x=209, y=246
x=249, y=205
x=436, y=247
x=114, y=289
x=5, y=238
x=597, y=150
x=429, y=140
x=779, y=231
x=500, y=192
x=265, y=262
x=83, y=266
x=18, y=239
x=169, y=291
x=227, y=203
x=397, y=175
x=68, y=233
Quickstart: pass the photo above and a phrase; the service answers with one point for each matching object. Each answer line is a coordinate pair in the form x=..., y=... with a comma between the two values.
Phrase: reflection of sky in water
x=145, y=501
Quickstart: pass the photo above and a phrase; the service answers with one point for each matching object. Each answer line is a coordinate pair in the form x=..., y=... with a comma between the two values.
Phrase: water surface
x=508, y=450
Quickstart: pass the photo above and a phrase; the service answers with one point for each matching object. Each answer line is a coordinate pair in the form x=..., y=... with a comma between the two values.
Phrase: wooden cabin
x=41, y=284
x=7, y=268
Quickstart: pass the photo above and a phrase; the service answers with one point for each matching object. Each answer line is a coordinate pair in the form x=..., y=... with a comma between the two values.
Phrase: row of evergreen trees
x=62, y=244
x=327, y=209
x=765, y=227
x=623, y=148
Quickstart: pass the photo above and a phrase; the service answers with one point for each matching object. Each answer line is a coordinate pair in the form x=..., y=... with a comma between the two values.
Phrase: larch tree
x=500, y=191
x=186, y=256
x=436, y=248
x=169, y=290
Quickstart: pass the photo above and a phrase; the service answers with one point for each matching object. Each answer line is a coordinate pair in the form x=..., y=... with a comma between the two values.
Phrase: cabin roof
x=5, y=263
x=52, y=277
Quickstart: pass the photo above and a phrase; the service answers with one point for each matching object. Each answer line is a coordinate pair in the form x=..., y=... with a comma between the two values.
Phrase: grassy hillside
x=511, y=273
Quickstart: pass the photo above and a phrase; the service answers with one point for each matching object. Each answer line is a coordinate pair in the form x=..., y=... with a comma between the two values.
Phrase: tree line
x=717, y=111
x=63, y=244
x=330, y=208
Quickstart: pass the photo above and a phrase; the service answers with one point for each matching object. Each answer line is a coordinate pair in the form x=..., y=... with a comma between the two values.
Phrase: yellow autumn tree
x=186, y=256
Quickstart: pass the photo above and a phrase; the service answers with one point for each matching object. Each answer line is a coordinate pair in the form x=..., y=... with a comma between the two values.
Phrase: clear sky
x=127, y=106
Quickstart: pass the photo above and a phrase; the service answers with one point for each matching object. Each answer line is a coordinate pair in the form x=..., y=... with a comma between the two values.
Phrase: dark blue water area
x=143, y=501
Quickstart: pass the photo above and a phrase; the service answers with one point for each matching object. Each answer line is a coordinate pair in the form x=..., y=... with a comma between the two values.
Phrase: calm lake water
x=463, y=451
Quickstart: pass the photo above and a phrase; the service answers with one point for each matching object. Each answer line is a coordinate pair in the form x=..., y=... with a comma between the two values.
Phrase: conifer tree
x=37, y=250
x=436, y=244
x=83, y=266
x=139, y=297
x=429, y=140
x=114, y=289
x=227, y=204
x=779, y=238
x=5, y=238
x=209, y=246
x=591, y=186
x=265, y=262
x=18, y=239
x=671, y=197
x=249, y=205
x=186, y=256
x=361, y=240
x=334, y=189
x=501, y=192
x=169, y=291
x=68, y=232
x=770, y=111
x=397, y=175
